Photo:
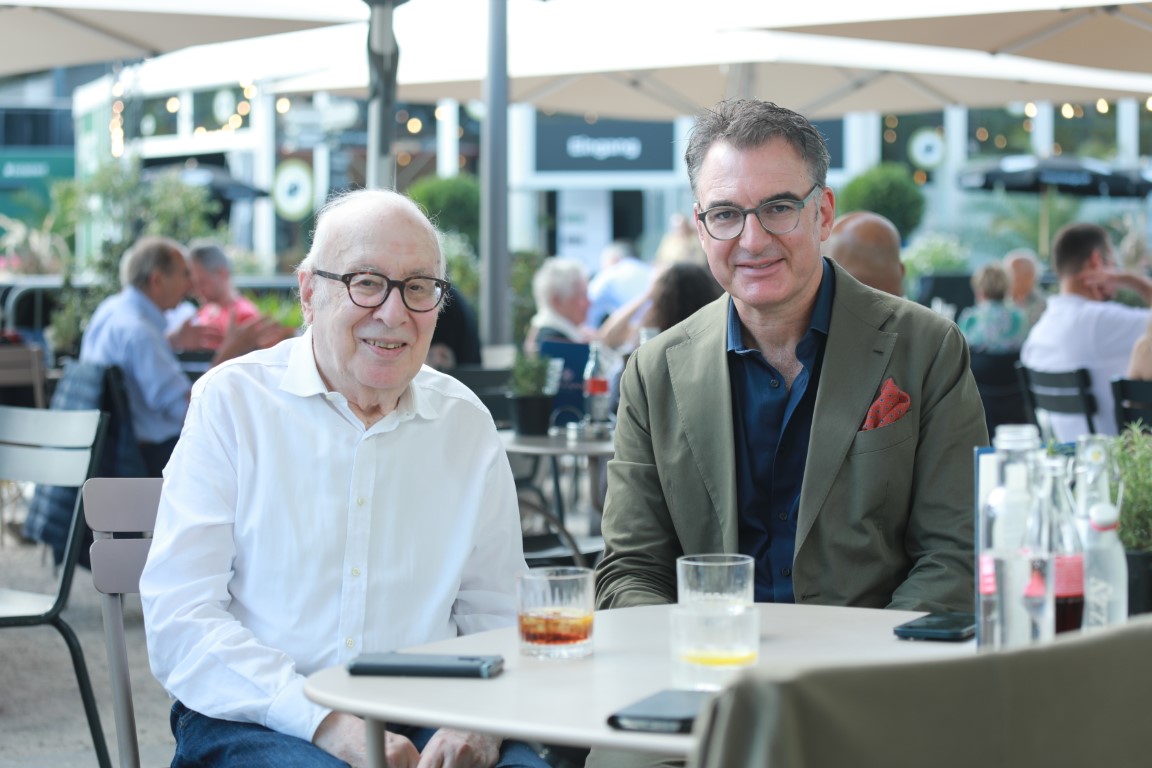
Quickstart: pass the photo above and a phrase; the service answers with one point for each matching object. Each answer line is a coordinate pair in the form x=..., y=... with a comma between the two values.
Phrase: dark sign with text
x=569, y=143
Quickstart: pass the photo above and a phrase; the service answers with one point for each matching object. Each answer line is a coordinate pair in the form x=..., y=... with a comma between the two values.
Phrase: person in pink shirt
x=220, y=302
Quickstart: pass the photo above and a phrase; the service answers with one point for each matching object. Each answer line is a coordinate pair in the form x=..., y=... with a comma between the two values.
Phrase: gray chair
x=1133, y=401
x=121, y=513
x=1057, y=392
x=60, y=449
x=1080, y=700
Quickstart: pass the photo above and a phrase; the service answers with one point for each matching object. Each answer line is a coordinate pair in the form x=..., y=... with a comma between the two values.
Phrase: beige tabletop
x=554, y=445
x=568, y=702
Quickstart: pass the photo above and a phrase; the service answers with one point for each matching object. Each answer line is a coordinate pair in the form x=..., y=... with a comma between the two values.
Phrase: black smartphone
x=953, y=626
x=667, y=711
x=399, y=664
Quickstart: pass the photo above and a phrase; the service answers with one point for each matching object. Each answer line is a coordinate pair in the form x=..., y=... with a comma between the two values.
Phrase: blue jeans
x=203, y=741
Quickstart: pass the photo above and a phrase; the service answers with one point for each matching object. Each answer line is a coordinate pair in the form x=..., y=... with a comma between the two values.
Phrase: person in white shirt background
x=1082, y=327
x=622, y=277
x=331, y=496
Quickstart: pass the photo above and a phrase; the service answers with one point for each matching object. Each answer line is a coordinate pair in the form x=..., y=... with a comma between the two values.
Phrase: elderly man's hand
x=344, y=736
x=191, y=336
x=242, y=338
x=459, y=749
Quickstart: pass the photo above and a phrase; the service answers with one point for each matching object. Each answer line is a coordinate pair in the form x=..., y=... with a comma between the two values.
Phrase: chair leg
x=86, y=693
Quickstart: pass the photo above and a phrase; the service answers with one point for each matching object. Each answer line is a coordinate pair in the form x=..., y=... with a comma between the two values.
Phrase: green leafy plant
x=452, y=203
x=887, y=189
x=284, y=309
x=529, y=375
x=930, y=254
x=1133, y=456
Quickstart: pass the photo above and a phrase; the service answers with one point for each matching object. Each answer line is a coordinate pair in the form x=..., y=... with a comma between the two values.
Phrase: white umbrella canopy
x=41, y=34
x=1092, y=34
x=680, y=71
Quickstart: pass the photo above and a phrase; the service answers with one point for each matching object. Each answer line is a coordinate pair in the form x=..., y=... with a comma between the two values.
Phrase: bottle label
x=596, y=386
x=987, y=575
x=1070, y=575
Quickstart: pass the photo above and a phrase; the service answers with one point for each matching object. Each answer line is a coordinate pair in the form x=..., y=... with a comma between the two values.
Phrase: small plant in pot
x=1133, y=456
x=532, y=388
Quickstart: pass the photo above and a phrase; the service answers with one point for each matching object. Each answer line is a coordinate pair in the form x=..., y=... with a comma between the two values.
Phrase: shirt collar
x=546, y=317
x=821, y=310
x=302, y=378
x=152, y=313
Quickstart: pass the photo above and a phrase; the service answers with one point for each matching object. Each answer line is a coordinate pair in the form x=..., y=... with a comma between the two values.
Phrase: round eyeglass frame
x=800, y=204
x=389, y=284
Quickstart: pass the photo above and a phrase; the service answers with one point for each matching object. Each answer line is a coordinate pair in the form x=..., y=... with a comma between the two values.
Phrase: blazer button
x=785, y=571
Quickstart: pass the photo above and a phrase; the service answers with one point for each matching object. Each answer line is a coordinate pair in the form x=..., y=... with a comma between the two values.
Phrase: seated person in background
x=680, y=243
x=128, y=330
x=1082, y=327
x=1024, y=268
x=331, y=496
x=992, y=324
x=1140, y=363
x=867, y=245
x=677, y=291
x=456, y=340
x=560, y=289
x=622, y=277
x=221, y=305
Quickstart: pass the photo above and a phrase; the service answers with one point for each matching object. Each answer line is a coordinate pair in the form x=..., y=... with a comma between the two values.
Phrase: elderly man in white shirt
x=330, y=496
x=1082, y=328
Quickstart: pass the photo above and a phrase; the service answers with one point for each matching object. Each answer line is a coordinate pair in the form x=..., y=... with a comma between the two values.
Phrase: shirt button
x=783, y=515
x=355, y=571
x=775, y=384
x=350, y=642
x=359, y=501
x=785, y=571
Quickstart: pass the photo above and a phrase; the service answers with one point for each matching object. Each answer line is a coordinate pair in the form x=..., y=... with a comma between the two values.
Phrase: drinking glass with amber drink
x=555, y=607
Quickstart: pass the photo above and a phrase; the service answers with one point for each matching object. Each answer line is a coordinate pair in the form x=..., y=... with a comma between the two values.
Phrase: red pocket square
x=890, y=406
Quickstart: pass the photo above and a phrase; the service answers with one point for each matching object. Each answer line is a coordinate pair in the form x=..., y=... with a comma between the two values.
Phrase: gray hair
x=751, y=123
x=328, y=238
x=147, y=256
x=558, y=278
x=209, y=254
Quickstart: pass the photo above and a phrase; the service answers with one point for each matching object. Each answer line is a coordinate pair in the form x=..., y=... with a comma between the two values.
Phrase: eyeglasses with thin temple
x=371, y=289
x=777, y=217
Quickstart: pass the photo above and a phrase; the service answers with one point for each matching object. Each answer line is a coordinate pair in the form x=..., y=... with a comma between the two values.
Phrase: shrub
x=886, y=189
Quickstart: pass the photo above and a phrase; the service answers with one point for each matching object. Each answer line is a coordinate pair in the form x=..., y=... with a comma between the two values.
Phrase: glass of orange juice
x=555, y=612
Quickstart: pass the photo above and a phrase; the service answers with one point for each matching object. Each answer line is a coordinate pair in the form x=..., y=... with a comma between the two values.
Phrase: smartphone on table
x=398, y=664
x=949, y=626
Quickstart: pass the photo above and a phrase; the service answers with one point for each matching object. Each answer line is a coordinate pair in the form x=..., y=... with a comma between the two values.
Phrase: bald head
x=1022, y=266
x=867, y=245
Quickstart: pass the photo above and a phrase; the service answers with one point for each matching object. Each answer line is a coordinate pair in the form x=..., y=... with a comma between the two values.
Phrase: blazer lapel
x=698, y=370
x=855, y=358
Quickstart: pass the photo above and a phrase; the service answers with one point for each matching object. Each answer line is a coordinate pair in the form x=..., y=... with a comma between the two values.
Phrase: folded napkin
x=892, y=404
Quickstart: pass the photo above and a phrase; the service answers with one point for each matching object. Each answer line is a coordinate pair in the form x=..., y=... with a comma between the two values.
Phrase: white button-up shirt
x=291, y=538
x=1076, y=332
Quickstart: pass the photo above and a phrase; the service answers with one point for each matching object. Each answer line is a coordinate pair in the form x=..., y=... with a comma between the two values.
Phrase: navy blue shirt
x=773, y=425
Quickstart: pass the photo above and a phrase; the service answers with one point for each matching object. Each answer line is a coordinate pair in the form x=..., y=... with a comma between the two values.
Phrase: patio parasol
x=1078, y=176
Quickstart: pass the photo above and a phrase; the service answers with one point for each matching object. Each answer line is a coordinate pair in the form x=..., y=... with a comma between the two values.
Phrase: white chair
x=58, y=449
x=121, y=513
x=1080, y=700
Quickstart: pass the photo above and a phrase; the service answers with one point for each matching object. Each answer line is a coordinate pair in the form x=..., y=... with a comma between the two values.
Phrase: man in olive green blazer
x=886, y=515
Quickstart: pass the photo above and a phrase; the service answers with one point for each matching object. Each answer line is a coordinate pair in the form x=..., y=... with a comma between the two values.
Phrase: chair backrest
x=491, y=386
x=23, y=366
x=1133, y=400
x=1078, y=700
x=1058, y=392
x=121, y=513
x=58, y=448
x=1000, y=388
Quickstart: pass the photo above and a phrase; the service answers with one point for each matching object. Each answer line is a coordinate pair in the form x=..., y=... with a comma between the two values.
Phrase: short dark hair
x=1073, y=246
x=750, y=123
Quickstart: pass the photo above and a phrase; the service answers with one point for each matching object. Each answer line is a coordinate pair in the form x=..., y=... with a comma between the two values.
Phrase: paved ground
x=42, y=722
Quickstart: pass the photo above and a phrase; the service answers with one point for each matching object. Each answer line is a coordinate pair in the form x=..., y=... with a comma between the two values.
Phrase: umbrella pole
x=1043, y=241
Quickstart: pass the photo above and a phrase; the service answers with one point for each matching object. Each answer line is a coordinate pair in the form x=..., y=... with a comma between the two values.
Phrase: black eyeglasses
x=777, y=217
x=370, y=289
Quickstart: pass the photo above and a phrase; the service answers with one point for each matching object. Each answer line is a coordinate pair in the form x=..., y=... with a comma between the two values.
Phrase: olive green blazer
x=886, y=515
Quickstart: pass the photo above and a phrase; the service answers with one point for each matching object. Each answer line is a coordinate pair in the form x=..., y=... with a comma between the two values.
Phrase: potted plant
x=1133, y=457
x=529, y=388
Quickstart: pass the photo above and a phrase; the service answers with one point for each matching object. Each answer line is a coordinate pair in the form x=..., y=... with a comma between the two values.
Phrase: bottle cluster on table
x=1043, y=566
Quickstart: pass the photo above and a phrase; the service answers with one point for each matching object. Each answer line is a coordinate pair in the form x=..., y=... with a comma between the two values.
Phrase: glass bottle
x=1067, y=550
x=1105, y=570
x=597, y=394
x=1004, y=568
